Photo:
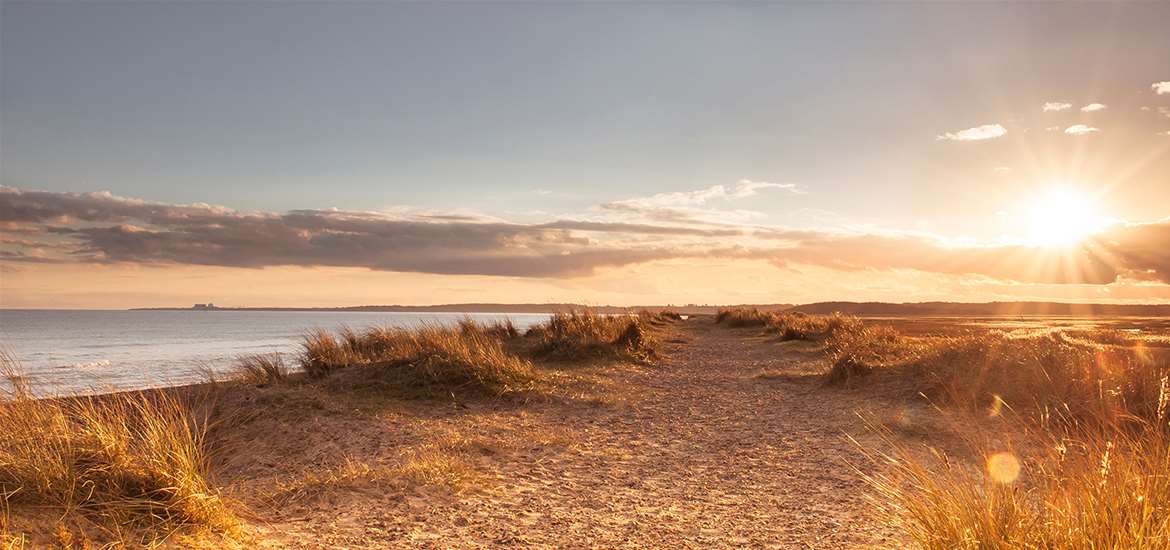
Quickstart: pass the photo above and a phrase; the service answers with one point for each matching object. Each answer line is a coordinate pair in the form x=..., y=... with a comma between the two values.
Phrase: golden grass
x=1072, y=444
x=1054, y=488
x=743, y=317
x=130, y=465
x=261, y=369
x=430, y=360
x=1045, y=373
x=583, y=335
x=442, y=461
x=789, y=325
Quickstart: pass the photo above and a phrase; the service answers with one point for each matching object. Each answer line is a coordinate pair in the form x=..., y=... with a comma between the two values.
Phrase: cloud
x=1080, y=130
x=978, y=133
x=690, y=206
x=1053, y=106
x=638, y=229
x=1161, y=87
x=744, y=188
x=104, y=228
x=747, y=188
x=1094, y=107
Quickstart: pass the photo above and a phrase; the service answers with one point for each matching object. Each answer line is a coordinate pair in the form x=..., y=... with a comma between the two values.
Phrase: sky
x=327, y=154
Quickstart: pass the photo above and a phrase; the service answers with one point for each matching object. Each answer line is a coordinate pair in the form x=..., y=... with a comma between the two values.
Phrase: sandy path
x=706, y=453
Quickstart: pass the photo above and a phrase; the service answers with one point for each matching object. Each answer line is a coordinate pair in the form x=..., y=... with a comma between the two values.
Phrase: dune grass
x=1073, y=444
x=789, y=325
x=261, y=369
x=743, y=317
x=132, y=466
x=430, y=360
x=1054, y=486
x=584, y=335
x=1047, y=373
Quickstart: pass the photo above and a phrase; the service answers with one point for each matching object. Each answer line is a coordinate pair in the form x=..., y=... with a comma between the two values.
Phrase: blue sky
x=533, y=112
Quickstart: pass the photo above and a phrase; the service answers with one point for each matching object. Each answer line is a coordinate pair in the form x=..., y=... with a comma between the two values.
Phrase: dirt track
x=730, y=441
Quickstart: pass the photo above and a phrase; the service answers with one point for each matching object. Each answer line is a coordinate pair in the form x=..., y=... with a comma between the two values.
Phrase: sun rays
x=1061, y=216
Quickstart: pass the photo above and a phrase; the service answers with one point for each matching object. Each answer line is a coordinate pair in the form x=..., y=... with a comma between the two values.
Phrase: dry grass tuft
x=799, y=326
x=503, y=330
x=1088, y=468
x=441, y=463
x=670, y=315
x=857, y=350
x=261, y=369
x=789, y=325
x=127, y=463
x=743, y=317
x=427, y=361
x=322, y=353
x=1047, y=373
x=1084, y=488
x=584, y=335
x=660, y=319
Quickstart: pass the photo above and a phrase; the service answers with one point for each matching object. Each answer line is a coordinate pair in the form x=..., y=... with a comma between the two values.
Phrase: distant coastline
x=863, y=309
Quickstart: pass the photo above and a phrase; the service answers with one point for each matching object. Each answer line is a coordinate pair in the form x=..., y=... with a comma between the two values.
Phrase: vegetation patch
x=584, y=335
x=789, y=325
x=1076, y=456
x=261, y=369
x=743, y=317
x=428, y=361
x=128, y=464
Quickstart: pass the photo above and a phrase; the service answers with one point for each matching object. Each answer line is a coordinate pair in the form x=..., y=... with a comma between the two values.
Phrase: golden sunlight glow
x=1062, y=216
x=1003, y=467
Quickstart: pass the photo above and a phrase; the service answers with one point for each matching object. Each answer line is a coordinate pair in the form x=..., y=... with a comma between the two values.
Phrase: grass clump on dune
x=1073, y=444
x=800, y=326
x=1059, y=485
x=584, y=335
x=743, y=317
x=661, y=317
x=789, y=325
x=430, y=360
x=1039, y=372
x=261, y=369
x=861, y=349
x=129, y=465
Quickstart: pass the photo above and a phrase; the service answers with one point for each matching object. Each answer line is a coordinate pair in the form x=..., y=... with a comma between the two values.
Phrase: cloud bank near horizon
x=51, y=227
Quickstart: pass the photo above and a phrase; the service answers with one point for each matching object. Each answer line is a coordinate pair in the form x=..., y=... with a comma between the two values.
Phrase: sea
x=64, y=352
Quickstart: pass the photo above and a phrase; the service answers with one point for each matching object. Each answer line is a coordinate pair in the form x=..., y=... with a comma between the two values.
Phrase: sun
x=1062, y=216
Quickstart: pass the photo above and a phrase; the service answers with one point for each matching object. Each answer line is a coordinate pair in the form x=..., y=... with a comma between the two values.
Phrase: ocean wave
x=87, y=365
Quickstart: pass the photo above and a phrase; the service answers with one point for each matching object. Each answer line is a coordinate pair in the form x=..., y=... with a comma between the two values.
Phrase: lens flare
x=1003, y=467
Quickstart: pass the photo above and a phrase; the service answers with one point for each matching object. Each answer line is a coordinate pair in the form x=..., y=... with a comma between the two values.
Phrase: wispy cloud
x=693, y=206
x=1080, y=130
x=1161, y=87
x=1053, y=106
x=1094, y=107
x=747, y=188
x=743, y=188
x=978, y=133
